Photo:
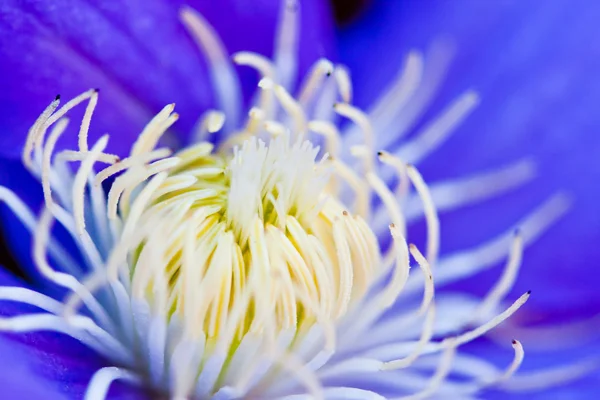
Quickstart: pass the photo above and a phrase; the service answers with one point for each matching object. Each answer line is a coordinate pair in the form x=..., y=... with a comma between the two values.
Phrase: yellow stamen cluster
x=246, y=241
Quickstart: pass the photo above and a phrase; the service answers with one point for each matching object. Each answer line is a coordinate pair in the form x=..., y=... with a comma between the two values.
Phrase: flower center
x=249, y=241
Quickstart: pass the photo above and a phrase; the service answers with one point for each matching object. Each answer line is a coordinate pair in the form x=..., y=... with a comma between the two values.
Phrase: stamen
x=433, y=222
x=390, y=203
x=425, y=267
x=401, y=270
x=79, y=183
x=440, y=374
x=55, y=134
x=503, y=286
x=481, y=330
x=439, y=130
x=293, y=108
x=133, y=178
x=101, y=381
x=68, y=106
x=401, y=170
x=262, y=64
x=210, y=122
x=85, y=122
x=399, y=92
x=453, y=194
x=130, y=162
x=38, y=137
x=70, y=155
x=565, y=336
x=314, y=80
x=31, y=297
x=41, y=236
x=34, y=133
x=468, y=263
x=359, y=187
x=363, y=122
x=551, y=377
x=342, y=77
x=24, y=214
x=435, y=66
x=286, y=43
x=225, y=81
x=514, y=365
x=331, y=134
x=266, y=69
x=154, y=130
x=426, y=335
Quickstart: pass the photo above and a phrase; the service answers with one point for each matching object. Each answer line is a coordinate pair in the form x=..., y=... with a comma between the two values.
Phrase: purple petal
x=535, y=67
x=139, y=55
x=47, y=365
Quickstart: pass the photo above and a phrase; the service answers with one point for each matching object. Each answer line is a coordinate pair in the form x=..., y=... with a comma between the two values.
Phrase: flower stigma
x=261, y=266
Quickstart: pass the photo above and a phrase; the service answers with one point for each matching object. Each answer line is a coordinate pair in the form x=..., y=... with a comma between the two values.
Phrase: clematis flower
x=262, y=251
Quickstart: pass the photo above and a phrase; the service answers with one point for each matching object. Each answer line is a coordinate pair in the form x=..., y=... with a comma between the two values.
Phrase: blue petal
x=535, y=66
x=139, y=55
x=47, y=365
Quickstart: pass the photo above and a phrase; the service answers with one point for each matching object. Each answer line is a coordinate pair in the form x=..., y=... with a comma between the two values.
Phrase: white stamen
x=503, y=286
x=129, y=162
x=315, y=77
x=223, y=77
x=426, y=334
x=80, y=181
x=438, y=131
x=551, y=377
x=103, y=378
x=286, y=43
x=435, y=66
x=450, y=195
x=331, y=134
x=469, y=336
x=426, y=268
x=399, y=93
x=34, y=133
x=55, y=134
x=210, y=122
x=433, y=222
x=440, y=374
x=85, y=122
x=70, y=155
x=342, y=77
x=401, y=170
x=362, y=121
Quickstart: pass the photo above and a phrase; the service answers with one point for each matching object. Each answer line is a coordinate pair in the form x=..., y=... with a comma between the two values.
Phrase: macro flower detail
x=261, y=265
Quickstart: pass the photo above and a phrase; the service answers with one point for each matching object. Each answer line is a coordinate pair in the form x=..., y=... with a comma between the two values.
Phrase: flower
x=186, y=293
